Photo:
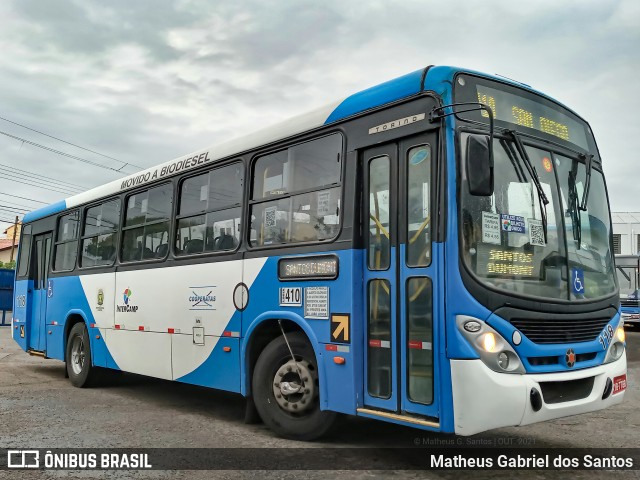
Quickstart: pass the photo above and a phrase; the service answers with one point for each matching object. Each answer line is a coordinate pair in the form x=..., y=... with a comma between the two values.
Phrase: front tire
x=78, y=357
x=286, y=393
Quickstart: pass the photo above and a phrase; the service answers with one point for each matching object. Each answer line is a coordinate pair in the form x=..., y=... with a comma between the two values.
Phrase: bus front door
x=40, y=275
x=401, y=265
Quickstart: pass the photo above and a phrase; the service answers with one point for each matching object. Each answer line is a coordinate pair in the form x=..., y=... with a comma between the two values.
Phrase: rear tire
x=286, y=394
x=78, y=357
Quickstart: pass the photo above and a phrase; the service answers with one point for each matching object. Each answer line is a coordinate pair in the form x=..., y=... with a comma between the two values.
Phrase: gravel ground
x=40, y=409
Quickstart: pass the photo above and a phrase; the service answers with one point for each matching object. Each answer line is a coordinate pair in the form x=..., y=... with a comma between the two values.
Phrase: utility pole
x=13, y=243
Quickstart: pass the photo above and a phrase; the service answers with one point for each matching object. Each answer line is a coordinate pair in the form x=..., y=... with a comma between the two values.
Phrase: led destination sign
x=299, y=268
x=527, y=113
x=505, y=262
x=519, y=107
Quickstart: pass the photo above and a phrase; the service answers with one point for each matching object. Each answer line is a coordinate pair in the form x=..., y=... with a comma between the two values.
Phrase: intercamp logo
x=23, y=459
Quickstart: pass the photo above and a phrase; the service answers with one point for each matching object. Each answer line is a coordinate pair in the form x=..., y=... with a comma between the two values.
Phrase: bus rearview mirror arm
x=479, y=151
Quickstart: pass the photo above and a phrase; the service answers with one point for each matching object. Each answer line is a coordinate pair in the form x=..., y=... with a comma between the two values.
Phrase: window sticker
x=132, y=202
x=577, y=281
x=425, y=200
x=99, y=220
x=512, y=223
x=491, y=228
x=324, y=198
x=270, y=216
x=546, y=163
x=536, y=232
x=204, y=192
x=65, y=228
x=143, y=206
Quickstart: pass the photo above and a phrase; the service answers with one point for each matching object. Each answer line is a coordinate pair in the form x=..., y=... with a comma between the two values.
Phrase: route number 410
x=291, y=296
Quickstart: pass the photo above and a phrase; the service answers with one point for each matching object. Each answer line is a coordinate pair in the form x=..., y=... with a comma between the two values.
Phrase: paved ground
x=40, y=409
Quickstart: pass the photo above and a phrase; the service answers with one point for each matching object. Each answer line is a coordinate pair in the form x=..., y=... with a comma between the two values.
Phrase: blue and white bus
x=434, y=251
x=628, y=270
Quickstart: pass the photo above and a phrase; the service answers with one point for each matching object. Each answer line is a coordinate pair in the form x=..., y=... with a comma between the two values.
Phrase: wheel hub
x=294, y=386
x=77, y=355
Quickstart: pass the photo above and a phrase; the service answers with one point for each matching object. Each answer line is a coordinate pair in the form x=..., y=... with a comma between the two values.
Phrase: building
x=9, y=231
x=6, y=247
x=626, y=233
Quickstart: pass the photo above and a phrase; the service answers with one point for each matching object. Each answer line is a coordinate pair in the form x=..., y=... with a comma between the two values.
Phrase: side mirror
x=479, y=165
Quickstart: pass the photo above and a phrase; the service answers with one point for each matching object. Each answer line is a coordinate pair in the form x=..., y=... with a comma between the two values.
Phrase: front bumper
x=484, y=399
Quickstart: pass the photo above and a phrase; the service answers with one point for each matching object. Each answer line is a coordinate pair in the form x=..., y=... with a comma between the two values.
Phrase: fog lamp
x=503, y=360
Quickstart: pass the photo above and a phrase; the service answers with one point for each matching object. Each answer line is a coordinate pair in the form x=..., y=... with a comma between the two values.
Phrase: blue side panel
x=45, y=211
x=264, y=305
x=379, y=95
x=56, y=342
x=69, y=298
x=220, y=370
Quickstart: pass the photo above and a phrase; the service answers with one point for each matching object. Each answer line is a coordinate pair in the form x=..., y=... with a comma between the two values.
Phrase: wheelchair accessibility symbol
x=577, y=281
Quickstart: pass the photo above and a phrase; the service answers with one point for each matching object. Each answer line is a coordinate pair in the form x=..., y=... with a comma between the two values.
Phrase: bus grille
x=560, y=331
x=629, y=303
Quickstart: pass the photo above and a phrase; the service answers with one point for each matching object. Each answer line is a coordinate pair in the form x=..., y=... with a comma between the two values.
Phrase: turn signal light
x=338, y=360
x=620, y=334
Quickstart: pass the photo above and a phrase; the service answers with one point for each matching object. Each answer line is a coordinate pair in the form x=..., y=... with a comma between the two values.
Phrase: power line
x=69, y=143
x=25, y=198
x=49, y=179
x=13, y=179
x=37, y=182
x=64, y=154
x=45, y=181
x=12, y=209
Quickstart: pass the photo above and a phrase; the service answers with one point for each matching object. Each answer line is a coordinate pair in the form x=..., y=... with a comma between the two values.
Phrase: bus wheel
x=286, y=393
x=78, y=356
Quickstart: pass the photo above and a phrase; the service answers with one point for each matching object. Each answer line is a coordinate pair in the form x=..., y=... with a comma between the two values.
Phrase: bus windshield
x=503, y=235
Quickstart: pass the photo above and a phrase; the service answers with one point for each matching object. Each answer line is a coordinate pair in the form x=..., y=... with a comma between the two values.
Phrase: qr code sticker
x=536, y=232
x=270, y=216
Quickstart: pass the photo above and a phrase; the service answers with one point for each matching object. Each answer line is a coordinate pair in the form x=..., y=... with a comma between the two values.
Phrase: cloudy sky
x=134, y=83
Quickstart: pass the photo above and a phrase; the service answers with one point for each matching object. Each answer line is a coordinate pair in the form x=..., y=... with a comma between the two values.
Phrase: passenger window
x=145, y=235
x=99, y=234
x=66, y=242
x=210, y=210
x=307, y=217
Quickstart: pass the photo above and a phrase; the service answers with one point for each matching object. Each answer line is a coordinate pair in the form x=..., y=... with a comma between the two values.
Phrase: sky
x=91, y=91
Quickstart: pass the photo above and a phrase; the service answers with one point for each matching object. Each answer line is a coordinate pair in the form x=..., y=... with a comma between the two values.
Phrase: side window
x=418, y=206
x=66, y=242
x=209, y=211
x=24, y=252
x=278, y=215
x=99, y=233
x=145, y=234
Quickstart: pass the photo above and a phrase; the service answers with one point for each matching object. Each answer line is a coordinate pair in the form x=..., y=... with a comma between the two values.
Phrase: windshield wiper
x=587, y=165
x=574, y=213
x=542, y=197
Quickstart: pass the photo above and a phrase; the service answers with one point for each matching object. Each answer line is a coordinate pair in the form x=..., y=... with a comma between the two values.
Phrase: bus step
x=36, y=353
x=399, y=418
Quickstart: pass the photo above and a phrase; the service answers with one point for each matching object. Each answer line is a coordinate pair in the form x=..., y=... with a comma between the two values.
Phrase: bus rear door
x=41, y=256
x=401, y=281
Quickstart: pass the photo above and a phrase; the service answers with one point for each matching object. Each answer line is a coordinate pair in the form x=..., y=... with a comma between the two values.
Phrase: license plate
x=619, y=383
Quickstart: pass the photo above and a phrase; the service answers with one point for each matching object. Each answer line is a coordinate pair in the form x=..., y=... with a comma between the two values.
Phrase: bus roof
x=384, y=93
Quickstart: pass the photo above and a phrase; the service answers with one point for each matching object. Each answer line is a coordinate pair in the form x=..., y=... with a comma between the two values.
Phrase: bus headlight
x=495, y=352
x=489, y=342
x=616, y=348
